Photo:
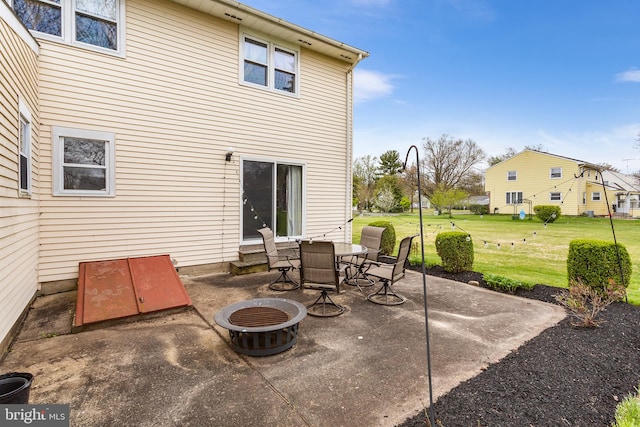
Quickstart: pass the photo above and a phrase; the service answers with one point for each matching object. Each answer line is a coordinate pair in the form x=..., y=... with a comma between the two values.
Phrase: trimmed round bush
x=455, y=249
x=547, y=213
x=388, y=236
x=596, y=261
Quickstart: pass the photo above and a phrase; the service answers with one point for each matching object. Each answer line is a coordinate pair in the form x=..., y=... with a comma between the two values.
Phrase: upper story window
x=83, y=162
x=91, y=23
x=555, y=173
x=269, y=65
x=512, y=176
x=24, y=156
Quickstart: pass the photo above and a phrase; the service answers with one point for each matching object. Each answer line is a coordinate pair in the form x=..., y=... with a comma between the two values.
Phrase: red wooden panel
x=157, y=284
x=105, y=291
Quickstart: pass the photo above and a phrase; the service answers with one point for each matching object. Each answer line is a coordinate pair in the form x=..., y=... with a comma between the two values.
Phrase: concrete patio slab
x=365, y=368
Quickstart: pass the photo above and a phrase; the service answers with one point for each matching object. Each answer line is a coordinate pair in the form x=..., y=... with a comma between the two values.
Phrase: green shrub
x=388, y=236
x=628, y=412
x=479, y=209
x=504, y=284
x=595, y=262
x=547, y=213
x=455, y=249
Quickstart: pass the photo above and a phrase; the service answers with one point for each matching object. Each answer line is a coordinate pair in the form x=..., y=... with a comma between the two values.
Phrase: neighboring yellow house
x=145, y=127
x=533, y=178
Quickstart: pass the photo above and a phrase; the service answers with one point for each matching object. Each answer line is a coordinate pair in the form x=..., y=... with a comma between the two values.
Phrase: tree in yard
x=509, y=153
x=388, y=193
x=448, y=161
x=473, y=183
x=405, y=203
x=365, y=174
x=390, y=163
x=410, y=183
x=447, y=198
x=385, y=200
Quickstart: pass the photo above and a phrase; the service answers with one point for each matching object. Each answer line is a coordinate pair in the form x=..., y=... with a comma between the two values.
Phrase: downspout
x=349, y=149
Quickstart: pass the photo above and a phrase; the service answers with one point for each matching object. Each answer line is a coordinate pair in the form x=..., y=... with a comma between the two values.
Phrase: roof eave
x=257, y=20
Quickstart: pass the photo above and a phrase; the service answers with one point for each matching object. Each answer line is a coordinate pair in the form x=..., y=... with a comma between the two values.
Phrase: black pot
x=15, y=387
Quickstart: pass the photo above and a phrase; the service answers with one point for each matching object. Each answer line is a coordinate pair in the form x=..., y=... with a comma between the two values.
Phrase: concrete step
x=241, y=267
x=252, y=258
x=252, y=255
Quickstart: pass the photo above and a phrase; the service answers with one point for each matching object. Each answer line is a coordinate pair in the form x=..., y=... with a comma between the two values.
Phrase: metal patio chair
x=280, y=262
x=319, y=271
x=371, y=238
x=388, y=274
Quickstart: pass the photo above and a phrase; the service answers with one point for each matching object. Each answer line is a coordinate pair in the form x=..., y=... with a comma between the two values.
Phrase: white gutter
x=349, y=150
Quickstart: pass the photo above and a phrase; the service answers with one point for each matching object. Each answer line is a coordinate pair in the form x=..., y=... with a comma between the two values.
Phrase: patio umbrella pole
x=424, y=284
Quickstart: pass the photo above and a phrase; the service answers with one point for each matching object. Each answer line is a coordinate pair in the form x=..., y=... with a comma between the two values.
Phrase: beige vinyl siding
x=175, y=104
x=18, y=215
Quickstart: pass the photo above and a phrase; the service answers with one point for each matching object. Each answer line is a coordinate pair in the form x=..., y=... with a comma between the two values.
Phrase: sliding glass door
x=272, y=197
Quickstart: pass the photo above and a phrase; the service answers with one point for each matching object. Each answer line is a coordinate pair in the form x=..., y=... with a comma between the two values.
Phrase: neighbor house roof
x=621, y=182
x=270, y=25
x=579, y=162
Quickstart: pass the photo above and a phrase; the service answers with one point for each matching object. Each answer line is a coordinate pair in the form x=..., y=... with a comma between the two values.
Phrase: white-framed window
x=94, y=24
x=514, y=197
x=595, y=196
x=24, y=155
x=584, y=197
x=83, y=162
x=555, y=173
x=512, y=176
x=269, y=65
x=555, y=197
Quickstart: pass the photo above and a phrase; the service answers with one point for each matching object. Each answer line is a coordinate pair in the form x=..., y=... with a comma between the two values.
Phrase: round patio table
x=346, y=249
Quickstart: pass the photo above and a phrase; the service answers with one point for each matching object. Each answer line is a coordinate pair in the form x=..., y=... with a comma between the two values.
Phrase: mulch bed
x=566, y=376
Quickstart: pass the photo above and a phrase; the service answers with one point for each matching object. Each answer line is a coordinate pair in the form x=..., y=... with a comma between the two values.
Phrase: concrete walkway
x=365, y=368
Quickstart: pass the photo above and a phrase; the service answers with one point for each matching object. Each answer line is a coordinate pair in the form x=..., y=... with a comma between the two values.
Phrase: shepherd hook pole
x=424, y=284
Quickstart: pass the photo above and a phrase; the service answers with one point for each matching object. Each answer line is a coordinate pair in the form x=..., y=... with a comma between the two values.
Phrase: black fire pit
x=262, y=326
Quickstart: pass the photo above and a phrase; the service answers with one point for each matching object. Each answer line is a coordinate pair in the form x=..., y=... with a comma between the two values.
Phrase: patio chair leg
x=390, y=297
x=284, y=282
x=323, y=301
x=357, y=278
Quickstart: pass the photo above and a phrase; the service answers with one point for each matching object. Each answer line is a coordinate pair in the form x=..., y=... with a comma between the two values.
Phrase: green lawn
x=541, y=259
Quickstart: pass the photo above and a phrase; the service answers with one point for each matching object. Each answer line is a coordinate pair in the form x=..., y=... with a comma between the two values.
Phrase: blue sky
x=505, y=73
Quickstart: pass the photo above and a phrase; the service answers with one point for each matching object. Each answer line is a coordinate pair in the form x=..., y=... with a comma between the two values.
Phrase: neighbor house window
x=272, y=197
x=84, y=162
x=595, y=196
x=95, y=23
x=555, y=197
x=555, y=173
x=269, y=65
x=514, y=197
x=512, y=176
x=24, y=156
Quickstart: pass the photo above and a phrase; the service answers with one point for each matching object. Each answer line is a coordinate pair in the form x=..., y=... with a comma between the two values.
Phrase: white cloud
x=370, y=85
x=615, y=146
x=629, y=76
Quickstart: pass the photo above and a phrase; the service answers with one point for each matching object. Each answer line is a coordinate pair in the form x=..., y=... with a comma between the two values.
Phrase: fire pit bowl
x=262, y=326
